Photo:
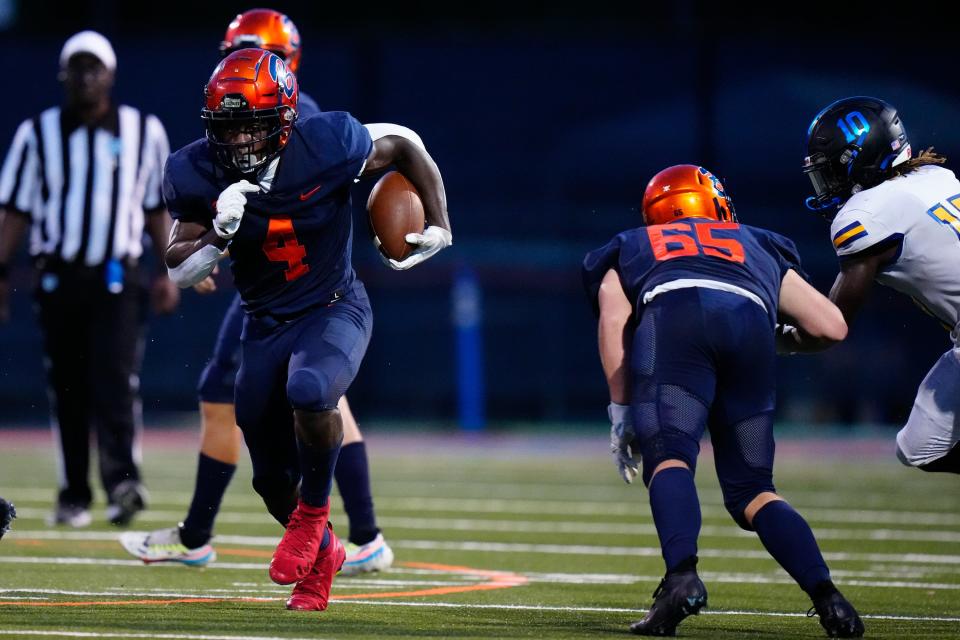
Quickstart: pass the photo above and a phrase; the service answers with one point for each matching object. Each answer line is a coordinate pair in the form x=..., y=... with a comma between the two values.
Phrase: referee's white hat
x=88, y=42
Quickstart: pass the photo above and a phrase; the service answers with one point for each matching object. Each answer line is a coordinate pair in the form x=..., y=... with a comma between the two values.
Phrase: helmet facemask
x=246, y=139
x=829, y=184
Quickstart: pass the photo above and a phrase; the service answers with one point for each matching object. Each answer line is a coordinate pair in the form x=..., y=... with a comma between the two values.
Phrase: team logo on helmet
x=714, y=181
x=280, y=75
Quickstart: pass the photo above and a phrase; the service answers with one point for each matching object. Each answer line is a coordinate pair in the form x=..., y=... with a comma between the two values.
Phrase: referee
x=85, y=180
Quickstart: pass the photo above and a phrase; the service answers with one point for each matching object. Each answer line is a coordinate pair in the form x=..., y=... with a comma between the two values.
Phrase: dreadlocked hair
x=925, y=157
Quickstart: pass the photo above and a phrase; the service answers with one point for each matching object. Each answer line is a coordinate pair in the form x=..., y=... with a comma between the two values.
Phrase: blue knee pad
x=737, y=504
x=217, y=382
x=743, y=451
x=308, y=391
x=669, y=421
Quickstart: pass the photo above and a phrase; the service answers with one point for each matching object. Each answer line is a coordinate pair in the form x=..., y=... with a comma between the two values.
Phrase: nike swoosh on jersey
x=307, y=194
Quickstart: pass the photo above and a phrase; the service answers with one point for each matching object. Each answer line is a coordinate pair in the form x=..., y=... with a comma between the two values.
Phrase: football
x=395, y=210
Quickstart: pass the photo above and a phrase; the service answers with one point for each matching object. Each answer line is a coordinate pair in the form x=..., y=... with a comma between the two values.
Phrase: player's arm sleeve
x=357, y=144
x=158, y=150
x=20, y=176
x=596, y=265
x=786, y=254
x=379, y=130
x=857, y=233
x=180, y=205
x=307, y=106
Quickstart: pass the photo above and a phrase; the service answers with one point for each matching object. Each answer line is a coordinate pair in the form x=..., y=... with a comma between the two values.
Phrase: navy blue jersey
x=694, y=248
x=306, y=106
x=293, y=248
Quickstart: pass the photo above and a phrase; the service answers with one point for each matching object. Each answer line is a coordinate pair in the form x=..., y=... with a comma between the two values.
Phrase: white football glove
x=230, y=206
x=621, y=436
x=432, y=240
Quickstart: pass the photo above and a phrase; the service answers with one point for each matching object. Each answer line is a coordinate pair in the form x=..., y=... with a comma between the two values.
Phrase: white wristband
x=196, y=267
x=618, y=413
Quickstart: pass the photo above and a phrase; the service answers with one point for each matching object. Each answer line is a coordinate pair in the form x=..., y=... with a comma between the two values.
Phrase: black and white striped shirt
x=86, y=188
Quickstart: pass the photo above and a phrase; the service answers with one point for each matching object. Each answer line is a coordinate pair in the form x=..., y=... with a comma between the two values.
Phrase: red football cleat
x=313, y=592
x=298, y=549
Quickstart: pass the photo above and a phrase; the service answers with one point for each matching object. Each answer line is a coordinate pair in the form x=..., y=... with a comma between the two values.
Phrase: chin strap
x=811, y=203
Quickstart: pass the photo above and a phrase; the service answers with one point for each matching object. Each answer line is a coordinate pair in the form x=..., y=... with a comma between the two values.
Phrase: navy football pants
x=304, y=364
x=220, y=375
x=703, y=358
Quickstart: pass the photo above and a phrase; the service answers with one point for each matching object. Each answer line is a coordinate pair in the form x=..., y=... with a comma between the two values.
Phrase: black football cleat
x=837, y=616
x=126, y=500
x=679, y=595
x=7, y=514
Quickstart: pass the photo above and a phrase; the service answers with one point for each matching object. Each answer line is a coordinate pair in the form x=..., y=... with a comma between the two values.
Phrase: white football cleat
x=376, y=555
x=164, y=545
x=70, y=515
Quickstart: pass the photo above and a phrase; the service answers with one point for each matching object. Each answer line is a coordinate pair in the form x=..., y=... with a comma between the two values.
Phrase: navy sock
x=788, y=538
x=213, y=477
x=316, y=473
x=676, y=513
x=353, y=481
x=326, y=539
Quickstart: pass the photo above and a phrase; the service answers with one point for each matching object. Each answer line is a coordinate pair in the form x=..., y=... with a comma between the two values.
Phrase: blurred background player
x=898, y=224
x=687, y=307
x=220, y=439
x=307, y=317
x=86, y=179
x=7, y=514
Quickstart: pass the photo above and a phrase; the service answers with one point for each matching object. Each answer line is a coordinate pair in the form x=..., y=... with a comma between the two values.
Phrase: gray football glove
x=621, y=437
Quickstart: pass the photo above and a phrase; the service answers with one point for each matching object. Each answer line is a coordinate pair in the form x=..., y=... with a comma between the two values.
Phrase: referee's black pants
x=93, y=341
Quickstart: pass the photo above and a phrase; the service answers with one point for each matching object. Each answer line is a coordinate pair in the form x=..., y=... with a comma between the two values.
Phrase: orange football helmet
x=686, y=191
x=264, y=29
x=250, y=107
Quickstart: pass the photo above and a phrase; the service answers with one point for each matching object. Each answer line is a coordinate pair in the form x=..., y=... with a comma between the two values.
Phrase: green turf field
x=494, y=538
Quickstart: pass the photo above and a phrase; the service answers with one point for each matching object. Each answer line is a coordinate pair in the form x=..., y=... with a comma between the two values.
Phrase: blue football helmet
x=852, y=145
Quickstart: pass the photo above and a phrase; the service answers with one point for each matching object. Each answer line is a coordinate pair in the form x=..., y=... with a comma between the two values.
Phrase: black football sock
x=676, y=513
x=316, y=470
x=353, y=481
x=788, y=538
x=213, y=478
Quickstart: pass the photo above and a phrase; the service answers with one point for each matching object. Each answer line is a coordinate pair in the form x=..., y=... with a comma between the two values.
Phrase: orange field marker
x=495, y=580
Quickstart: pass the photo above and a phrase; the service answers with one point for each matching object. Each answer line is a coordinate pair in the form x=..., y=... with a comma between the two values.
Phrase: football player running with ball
x=189, y=542
x=687, y=307
x=898, y=224
x=276, y=191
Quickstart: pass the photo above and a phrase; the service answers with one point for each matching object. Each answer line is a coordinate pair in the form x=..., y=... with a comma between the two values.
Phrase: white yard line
x=346, y=584
x=520, y=607
x=459, y=605
x=636, y=508
x=501, y=547
x=567, y=527
x=599, y=550
x=114, y=562
x=116, y=634
x=130, y=594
